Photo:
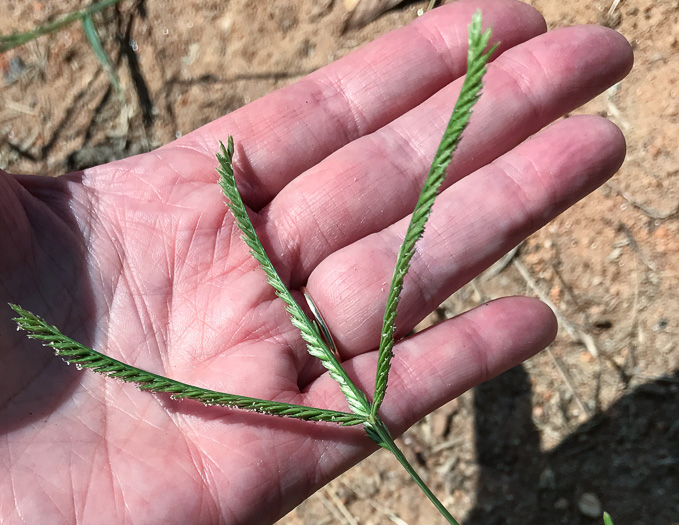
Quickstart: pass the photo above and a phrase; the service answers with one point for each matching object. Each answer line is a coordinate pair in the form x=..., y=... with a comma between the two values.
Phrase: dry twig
x=648, y=210
x=575, y=332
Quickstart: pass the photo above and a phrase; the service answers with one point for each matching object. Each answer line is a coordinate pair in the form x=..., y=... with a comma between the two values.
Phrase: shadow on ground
x=628, y=457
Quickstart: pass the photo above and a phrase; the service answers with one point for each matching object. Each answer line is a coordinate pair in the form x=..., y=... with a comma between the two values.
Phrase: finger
x=41, y=265
x=375, y=181
x=438, y=364
x=473, y=223
x=281, y=135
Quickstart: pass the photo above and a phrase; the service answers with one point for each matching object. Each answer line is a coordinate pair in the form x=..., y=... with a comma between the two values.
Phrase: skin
x=140, y=259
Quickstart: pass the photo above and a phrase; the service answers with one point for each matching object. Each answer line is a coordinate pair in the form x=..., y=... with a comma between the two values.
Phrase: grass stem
x=8, y=42
x=386, y=441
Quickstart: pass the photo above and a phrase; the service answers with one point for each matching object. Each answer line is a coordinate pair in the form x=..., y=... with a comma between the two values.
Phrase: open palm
x=141, y=260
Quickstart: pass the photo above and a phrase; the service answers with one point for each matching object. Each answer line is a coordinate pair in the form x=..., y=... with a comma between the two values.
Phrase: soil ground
x=591, y=423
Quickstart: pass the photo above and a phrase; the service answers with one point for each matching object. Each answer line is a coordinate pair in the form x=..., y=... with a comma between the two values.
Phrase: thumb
x=14, y=225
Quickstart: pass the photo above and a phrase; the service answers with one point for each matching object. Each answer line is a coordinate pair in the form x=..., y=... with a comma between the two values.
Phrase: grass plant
x=361, y=409
x=8, y=42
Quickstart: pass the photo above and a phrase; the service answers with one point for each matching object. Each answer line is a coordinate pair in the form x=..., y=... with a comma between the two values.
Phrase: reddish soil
x=591, y=423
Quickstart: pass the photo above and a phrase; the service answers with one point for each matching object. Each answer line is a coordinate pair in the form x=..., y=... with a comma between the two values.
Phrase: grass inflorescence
x=363, y=411
x=83, y=357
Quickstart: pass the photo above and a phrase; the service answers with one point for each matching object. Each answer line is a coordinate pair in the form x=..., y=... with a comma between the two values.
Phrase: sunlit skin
x=141, y=260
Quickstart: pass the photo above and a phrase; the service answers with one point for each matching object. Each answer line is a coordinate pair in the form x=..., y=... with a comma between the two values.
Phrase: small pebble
x=14, y=70
x=589, y=505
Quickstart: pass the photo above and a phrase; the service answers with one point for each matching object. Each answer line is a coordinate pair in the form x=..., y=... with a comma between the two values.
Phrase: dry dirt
x=594, y=421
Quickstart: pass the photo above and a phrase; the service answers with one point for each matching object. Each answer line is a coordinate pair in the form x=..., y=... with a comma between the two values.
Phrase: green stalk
x=8, y=42
x=377, y=429
x=98, y=48
x=84, y=357
x=356, y=398
x=471, y=90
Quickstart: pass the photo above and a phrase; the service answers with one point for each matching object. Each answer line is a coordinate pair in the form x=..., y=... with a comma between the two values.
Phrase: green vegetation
x=362, y=410
x=8, y=42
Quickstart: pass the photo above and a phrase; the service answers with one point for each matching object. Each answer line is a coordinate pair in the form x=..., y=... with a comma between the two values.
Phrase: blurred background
x=592, y=423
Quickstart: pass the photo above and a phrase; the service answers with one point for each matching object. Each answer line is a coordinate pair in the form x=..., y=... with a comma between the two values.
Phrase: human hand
x=140, y=259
